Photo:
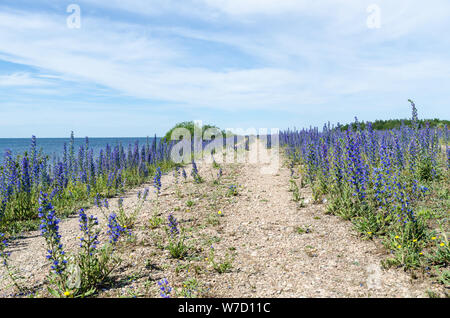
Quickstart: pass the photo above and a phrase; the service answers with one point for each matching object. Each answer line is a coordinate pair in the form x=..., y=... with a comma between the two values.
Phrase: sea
x=54, y=147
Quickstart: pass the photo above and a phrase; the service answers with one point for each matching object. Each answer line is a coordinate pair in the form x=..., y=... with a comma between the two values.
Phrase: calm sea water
x=54, y=147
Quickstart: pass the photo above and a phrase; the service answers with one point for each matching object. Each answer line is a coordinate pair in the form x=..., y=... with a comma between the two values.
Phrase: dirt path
x=259, y=227
x=329, y=261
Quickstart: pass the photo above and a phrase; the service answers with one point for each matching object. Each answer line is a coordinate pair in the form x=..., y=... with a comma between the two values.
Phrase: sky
x=137, y=67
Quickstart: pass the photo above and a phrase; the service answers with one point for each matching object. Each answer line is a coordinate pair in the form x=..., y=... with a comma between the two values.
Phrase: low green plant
x=232, y=190
x=177, y=247
x=406, y=243
x=444, y=277
x=77, y=275
x=213, y=219
x=91, y=267
x=191, y=289
x=215, y=164
x=222, y=266
x=301, y=230
x=440, y=254
x=155, y=221
x=293, y=187
x=10, y=270
x=128, y=220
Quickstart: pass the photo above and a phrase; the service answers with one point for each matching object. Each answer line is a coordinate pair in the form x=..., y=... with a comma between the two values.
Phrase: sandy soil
x=257, y=229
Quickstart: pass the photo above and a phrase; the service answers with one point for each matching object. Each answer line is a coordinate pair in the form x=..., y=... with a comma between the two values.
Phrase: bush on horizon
x=191, y=126
x=380, y=124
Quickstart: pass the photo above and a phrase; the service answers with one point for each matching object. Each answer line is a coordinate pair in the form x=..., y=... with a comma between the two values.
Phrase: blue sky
x=137, y=67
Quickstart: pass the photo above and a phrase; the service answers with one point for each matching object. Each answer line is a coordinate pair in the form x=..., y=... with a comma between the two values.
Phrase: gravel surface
x=257, y=228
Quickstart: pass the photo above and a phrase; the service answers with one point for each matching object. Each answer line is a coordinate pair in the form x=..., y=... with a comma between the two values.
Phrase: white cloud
x=271, y=7
x=304, y=52
x=20, y=79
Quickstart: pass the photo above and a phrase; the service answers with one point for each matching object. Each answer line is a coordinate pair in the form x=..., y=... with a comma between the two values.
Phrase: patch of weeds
x=293, y=187
x=426, y=213
x=302, y=202
x=194, y=173
x=155, y=221
x=159, y=242
x=432, y=294
x=232, y=190
x=223, y=266
x=311, y=251
x=389, y=262
x=406, y=243
x=371, y=224
x=213, y=219
x=215, y=165
x=151, y=266
x=177, y=247
x=440, y=256
x=181, y=268
x=444, y=277
x=212, y=240
x=128, y=220
x=317, y=194
x=131, y=239
x=301, y=230
x=11, y=271
x=191, y=289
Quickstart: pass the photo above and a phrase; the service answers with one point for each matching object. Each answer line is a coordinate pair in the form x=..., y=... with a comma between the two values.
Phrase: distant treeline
x=396, y=123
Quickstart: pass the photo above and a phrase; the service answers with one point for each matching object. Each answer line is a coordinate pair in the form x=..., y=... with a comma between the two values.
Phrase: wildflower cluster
x=173, y=225
x=195, y=174
x=157, y=180
x=115, y=230
x=176, y=174
x=89, y=240
x=3, y=245
x=177, y=246
x=219, y=176
x=375, y=178
x=164, y=288
x=75, y=177
x=50, y=231
x=81, y=275
x=232, y=190
x=94, y=263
